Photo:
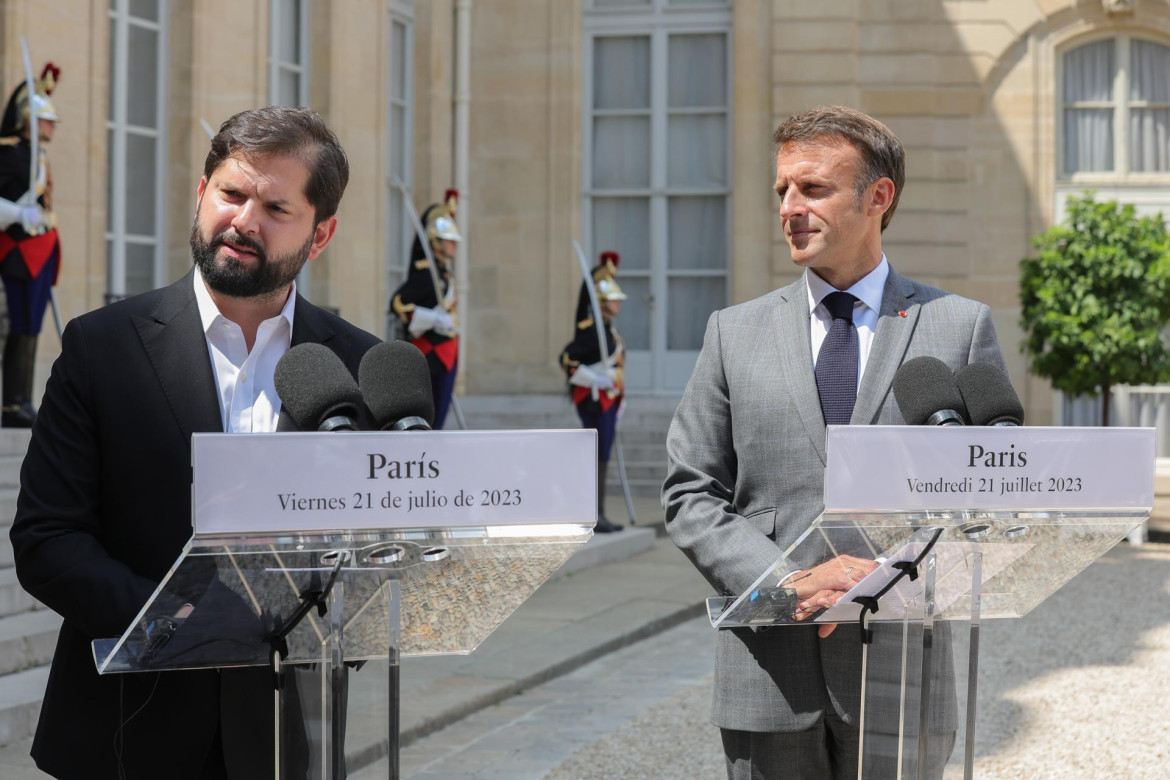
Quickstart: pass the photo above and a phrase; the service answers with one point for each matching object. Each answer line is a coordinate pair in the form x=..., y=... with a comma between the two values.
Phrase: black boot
x=20, y=354
x=604, y=526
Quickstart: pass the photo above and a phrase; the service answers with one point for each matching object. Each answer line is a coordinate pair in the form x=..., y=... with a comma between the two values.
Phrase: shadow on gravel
x=1099, y=619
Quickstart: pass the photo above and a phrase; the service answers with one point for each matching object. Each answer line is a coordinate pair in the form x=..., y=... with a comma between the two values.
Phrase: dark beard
x=232, y=278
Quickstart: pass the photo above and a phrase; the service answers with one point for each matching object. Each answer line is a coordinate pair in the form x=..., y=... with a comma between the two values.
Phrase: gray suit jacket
x=745, y=477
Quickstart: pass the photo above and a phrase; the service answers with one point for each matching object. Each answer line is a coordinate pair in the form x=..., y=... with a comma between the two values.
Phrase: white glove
x=425, y=319
x=588, y=376
x=32, y=218
x=444, y=324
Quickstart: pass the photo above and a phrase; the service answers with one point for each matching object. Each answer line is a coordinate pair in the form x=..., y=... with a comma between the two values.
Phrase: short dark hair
x=293, y=132
x=882, y=155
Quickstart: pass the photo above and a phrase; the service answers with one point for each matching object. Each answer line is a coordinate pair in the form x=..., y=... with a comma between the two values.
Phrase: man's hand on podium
x=823, y=585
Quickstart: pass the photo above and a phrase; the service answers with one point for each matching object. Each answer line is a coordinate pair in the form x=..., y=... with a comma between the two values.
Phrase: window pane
x=698, y=71
x=634, y=321
x=1149, y=139
x=621, y=72
x=623, y=226
x=1088, y=72
x=1088, y=139
x=396, y=226
x=140, y=180
x=109, y=181
x=621, y=152
x=691, y=303
x=139, y=268
x=142, y=75
x=288, y=88
x=398, y=141
x=144, y=9
x=288, y=21
x=397, y=60
x=698, y=232
x=697, y=151
x=112, y=85
x=620, y=3
x=1149, y=67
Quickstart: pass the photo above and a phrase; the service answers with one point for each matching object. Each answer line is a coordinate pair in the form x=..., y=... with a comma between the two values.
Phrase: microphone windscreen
x=313, y=385
x=923, y=386
x=396, y=383
x=989, y=395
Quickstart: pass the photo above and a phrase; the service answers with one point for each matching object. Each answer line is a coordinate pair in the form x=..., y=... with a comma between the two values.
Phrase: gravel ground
x=1079, y=688
x=673, y=741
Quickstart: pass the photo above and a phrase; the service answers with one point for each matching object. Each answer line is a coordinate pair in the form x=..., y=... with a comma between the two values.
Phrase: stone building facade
x=641, y=126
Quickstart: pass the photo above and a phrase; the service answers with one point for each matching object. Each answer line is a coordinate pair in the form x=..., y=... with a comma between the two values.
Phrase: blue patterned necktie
x=836, y=370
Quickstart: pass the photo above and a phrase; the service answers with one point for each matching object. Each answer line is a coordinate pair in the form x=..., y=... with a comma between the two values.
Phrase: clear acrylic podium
x=316, y=604
x=937, y=572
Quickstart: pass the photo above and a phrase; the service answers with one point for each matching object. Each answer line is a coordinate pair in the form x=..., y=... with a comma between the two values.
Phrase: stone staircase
x=643, y=430
x=28, y=631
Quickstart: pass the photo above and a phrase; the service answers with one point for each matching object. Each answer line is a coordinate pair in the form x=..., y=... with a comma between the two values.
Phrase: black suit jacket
x=105, y=509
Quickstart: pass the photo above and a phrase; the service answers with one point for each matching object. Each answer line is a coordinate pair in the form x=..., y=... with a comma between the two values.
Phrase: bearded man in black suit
x=105, y=507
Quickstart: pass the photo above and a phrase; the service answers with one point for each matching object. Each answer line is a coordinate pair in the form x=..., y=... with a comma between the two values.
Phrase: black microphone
x=989, y=395
x=925, y=390
x=317, y=390
x=396, y=384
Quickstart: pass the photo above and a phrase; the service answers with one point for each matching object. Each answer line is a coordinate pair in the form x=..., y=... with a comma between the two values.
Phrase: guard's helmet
x=605, y=278
x=16, y=113
x=442, y=219
x=44, y=109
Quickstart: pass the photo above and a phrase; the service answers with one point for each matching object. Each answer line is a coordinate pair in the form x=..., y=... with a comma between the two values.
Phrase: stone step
x=636, y=452
x=8, y=504
x=13, y=599
x=28, y=639
x=20, y=703
x=637, y=472
x=13, y=442
x=650, y=487
x=10, y=471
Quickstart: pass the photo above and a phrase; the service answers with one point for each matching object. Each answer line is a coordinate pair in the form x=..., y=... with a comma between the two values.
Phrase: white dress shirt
x=247, y=391
x=868, y=292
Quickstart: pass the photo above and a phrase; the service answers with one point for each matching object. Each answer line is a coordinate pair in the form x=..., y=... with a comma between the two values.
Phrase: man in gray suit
x=746, y=447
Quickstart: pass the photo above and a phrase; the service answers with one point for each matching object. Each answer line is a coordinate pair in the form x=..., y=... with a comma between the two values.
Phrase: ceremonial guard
x=595, y=379
x=426, y=301
x=29, y=248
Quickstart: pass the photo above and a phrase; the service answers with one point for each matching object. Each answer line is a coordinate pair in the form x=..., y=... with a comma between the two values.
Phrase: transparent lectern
x=316, y=553
x=928, y=531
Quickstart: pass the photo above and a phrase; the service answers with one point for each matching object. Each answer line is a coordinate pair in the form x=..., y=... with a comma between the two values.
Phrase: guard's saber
x=34, y=136
x=426, y=245
x=34, y=139
x=603, y=347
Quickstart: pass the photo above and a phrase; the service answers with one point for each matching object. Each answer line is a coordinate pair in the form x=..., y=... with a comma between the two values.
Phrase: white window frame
x=657, y=20
x=1120, y=103
x=276, y=65
x=118, y=238
x=398, y=247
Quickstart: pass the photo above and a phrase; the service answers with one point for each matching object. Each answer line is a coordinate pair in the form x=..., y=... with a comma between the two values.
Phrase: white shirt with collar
x=868, y=292
x=247, y=390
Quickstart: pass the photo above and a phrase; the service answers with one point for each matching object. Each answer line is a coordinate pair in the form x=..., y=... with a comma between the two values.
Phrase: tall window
x=136, y=147
x=288, y=52
x=399, y=102
x=1116, y=106
x=288, y=73
x=657, y=172
x=1114, y=99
